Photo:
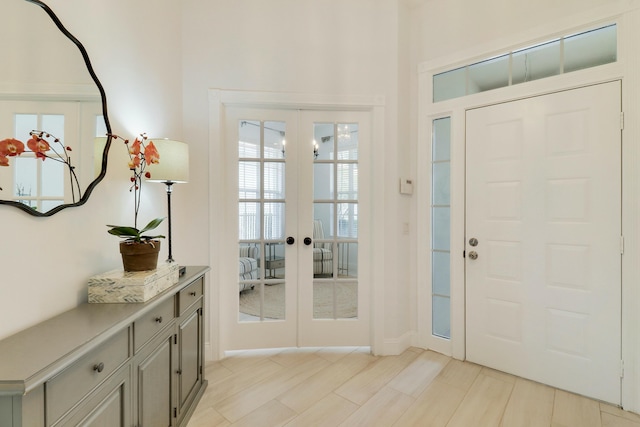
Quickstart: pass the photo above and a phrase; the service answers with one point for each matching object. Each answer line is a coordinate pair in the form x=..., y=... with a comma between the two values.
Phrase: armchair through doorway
x=322, y=252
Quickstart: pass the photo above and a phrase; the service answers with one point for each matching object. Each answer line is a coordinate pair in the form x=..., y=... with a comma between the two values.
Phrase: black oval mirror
x=53, y=111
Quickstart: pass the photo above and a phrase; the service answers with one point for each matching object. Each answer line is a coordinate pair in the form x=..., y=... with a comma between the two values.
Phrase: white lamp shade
x=174, y=161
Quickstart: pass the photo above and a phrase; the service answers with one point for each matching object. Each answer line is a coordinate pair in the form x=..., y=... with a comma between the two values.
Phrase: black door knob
x=290, y=240
x=307, y=241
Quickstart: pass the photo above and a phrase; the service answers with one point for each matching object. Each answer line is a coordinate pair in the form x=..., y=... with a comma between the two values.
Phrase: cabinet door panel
x=109, y=413
x=190, y=356
x=154, y=386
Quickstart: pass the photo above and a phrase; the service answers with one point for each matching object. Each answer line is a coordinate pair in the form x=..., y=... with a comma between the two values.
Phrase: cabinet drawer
x=189, y=295
x=153, y=322
x=68, y=387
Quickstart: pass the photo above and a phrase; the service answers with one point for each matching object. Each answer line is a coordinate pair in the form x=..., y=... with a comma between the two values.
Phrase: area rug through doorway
x=346, y=297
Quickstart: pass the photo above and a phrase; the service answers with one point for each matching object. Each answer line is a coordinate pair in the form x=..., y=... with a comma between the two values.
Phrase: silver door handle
x=473, y=255
x=473, y=241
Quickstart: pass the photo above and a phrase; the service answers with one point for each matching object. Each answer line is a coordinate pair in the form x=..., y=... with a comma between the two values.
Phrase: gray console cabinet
x=109, y=364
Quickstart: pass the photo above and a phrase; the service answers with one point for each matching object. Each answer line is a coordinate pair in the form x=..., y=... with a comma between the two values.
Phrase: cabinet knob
x=159, y=319
x=99, y=367
x=193, y=294
x=179, y=372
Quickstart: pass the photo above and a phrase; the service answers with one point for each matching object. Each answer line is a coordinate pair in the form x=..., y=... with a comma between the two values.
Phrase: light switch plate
x=406, y=186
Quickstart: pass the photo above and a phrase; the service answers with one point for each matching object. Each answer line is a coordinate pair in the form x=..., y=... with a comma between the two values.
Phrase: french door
x=296, y=192
x=543, y=254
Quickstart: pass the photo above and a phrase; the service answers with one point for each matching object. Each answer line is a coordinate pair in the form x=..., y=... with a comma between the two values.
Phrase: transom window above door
x=553, y=57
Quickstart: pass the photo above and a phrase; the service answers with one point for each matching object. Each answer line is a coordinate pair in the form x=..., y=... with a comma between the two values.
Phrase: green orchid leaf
x=124, y=231
x=133, y=234
x=153, y=224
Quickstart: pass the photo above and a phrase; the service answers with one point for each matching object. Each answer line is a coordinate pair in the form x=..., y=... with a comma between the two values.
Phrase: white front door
x=543, y=203
x=294, y=197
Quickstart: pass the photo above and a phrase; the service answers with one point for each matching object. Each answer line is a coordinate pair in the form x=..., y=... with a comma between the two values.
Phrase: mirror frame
x=105, y=152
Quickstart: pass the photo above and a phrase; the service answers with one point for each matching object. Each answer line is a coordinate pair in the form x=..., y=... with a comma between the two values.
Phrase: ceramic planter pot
x=140, y=256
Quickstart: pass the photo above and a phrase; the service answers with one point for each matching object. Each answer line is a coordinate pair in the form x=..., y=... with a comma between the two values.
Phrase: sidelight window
x=440, y=227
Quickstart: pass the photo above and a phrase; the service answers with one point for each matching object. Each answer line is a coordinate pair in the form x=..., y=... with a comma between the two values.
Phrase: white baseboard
x=209, y=354
x=393, y=347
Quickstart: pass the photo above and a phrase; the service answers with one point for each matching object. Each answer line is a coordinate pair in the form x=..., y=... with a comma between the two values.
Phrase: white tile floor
x=349, y=387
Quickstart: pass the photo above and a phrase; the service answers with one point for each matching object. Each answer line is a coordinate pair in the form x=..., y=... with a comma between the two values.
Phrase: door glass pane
x=274, y=180
x=249, y=139
x=347, y=259
x=441, y=273
x=347, y=179
x=450, y=84
x=323, y=258
x=274, y=221
x=323, y=300
x=489, y=74
x=323, y=181
x=249, y=265
x=335, y=221
x=26, y=177
x=47, y=205
x=264, y=302
x=274, y=261
x=441, y=317
x=261, y=212
x=323, y=213
x=441, y=186
x=590, y=49
x=335, y=300
x=440, y=234
x=347, y=141
x=274, y=140
x=441, y=139
x=536, y=62
x=249, y=180
x=100, y=125
x=440, y=228
x=249, y=220
x=53, y=179
x=324, y=140
x=348, y=220
x=54, y=125
x=25, y=123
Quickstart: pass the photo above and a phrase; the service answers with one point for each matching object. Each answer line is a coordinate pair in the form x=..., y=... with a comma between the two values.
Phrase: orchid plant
x=142, y=153
x=45, y=146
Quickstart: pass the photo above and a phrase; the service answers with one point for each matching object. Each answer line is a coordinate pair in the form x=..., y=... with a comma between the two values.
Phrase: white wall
x=156, y=70
x=45, y=262
x=332, y=47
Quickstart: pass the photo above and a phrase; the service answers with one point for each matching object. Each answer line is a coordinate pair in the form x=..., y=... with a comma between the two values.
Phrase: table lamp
x=172, y=169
